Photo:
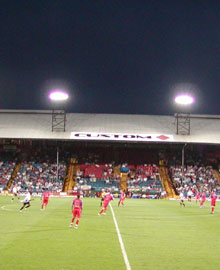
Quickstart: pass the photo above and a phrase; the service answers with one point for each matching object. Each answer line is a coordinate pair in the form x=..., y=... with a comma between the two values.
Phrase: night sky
x=115, y=56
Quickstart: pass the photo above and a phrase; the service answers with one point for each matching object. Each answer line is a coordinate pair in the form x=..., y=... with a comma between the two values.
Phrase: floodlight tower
x=58, y=97
x=183, y=121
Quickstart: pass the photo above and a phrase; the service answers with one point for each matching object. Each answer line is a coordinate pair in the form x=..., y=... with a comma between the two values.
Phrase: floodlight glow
x=57, y=95
x=184, y=99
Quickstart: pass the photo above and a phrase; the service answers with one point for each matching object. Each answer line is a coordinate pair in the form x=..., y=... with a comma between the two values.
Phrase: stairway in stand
x=217, y=176
x=166, y=182
x=71, y=175
x=117, y=170
x=123, y=180
x=123, y=177
x=13, y=175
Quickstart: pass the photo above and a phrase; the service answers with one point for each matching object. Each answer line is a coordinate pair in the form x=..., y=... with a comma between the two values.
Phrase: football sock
x=101, y=211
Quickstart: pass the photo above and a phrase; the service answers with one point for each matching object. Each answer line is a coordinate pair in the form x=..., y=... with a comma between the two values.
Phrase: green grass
x=156, y=234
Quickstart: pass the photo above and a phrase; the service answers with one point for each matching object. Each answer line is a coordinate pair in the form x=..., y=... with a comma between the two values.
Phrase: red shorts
x=45, y=200
x=77, y=213
x=122, y=199
x=212, y=203
x=105, y=205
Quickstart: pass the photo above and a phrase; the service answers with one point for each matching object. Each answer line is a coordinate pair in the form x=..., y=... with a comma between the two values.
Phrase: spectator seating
x=97, y=176
x=144, y=177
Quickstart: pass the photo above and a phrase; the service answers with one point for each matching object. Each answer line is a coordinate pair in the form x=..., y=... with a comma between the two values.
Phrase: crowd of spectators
x=195, y=178
x=40, y=176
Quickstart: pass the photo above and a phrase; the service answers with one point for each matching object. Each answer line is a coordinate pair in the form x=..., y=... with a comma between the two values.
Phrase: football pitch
x=156, y=234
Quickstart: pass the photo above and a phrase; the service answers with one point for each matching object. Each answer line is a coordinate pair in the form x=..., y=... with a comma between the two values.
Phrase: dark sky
x=113, y=56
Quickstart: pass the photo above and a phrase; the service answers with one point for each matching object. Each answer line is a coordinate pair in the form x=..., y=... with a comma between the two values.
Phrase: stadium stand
x=124, y=162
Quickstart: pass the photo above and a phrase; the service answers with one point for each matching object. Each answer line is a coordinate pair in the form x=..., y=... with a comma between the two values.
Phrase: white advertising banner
x=121, y=137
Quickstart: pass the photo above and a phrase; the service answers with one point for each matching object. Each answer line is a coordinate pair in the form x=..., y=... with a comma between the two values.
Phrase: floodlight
x=184, y=99
x=58, y=95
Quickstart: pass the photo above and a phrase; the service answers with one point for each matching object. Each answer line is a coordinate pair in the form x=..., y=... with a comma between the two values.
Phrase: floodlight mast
x=183, y=119
x=58, y=98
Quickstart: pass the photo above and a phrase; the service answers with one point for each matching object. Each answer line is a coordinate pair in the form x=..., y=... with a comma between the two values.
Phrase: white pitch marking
x=128, y=267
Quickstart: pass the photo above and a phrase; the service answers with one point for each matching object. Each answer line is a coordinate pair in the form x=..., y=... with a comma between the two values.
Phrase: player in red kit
x=122, y=198
x=76, y=210
x=107, y=198
x=203, y=199
x=213, y=201
x=197, y=196
x=46, y=196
